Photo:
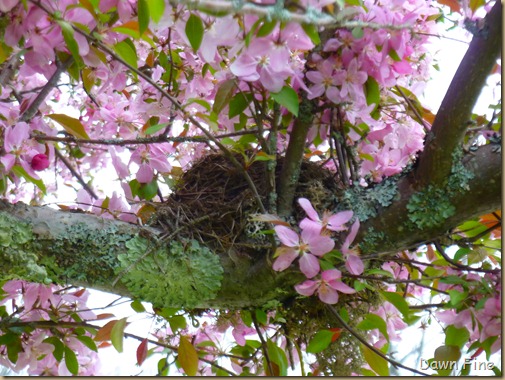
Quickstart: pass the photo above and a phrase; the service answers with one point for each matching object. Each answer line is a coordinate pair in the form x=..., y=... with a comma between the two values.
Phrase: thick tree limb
x=455, y=112
x=86, y=248
x=394, y=223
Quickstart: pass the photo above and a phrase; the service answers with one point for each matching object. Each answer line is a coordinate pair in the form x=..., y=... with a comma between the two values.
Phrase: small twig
x=391, y=281
x=75, y=174
x=140, y=140
x=368, y=345
x=51, y=83
x=412, y=108
x=263, y=345
x=427, y=306
x=441, y=250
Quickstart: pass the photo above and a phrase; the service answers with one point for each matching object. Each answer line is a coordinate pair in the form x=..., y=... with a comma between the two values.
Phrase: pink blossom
x=333, y=222
x=352, y=81
x=308, y=246
x=327, y=287
x=240, y=331
x=40, y=162
x=265, y=61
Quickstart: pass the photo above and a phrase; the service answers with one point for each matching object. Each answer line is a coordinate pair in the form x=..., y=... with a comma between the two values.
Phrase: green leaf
x=88, y=342
x=155, y=128
x=70, y=124
x=239, y=103
x=223, y=95
x=71, y=361
x=21, y=172
x=188, y=357
x=246, y=317
x=177, y=322
x=456, y=336
x=261, y=316
x=320, y=341
x=156, y=9
x=143, y=15
x=375, y=361
x=372, y=92
x=147, y=191
x=266, y=28
x=313, y=33
x=373, y=321
x=137, y=306
x=126, y=50
x=357, y=32
x=59, y=347
x=457, y=297
x=117, y=334
x=394, y=55
x=68, y=36
x=194, y=31
x=446, y=358
x=278, y=356
x=399, y=302
x=288, y=98
x=344, y=314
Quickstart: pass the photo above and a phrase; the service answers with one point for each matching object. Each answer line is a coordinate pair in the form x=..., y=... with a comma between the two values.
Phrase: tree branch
x=393, y=229
x=51, y=83
x=293, y=160
x=452, y=120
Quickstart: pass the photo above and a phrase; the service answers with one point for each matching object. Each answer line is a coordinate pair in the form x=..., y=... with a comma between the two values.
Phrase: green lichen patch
x=365, y=202
x=16, y=255
x=429, y=208
x=85, y=254
x=182, y=274
x=372, y=240
x=460, y=175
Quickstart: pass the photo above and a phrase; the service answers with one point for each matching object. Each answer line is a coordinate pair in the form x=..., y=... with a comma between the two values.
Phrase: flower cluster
x=312, y=243
x=36, y=349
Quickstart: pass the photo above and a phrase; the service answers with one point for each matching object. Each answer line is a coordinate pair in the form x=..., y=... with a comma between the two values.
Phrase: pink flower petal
x=350, y=238
x=341, y=287
x=307, y=207
x=285, y=260
x=306, y=288
x=287, y=236
x=318, y=244
x=354, y=265
x=327, y=295
x=309, y=265
x=336, y=222
x=331, y=275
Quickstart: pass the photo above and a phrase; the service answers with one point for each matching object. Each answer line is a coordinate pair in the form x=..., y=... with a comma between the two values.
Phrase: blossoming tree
x=273, y=174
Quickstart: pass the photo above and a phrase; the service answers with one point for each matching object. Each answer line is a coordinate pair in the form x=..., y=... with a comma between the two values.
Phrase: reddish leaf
x=104, y=332
x=336, y=333
x=142, y=352
x=80, y=292
x=452, y=4
x=104, y=316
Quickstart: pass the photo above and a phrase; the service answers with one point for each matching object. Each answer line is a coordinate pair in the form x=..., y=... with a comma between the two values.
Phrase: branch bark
x=455, y=112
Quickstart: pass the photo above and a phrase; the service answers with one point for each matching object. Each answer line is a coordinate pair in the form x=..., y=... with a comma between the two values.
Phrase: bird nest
x=213, y=203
